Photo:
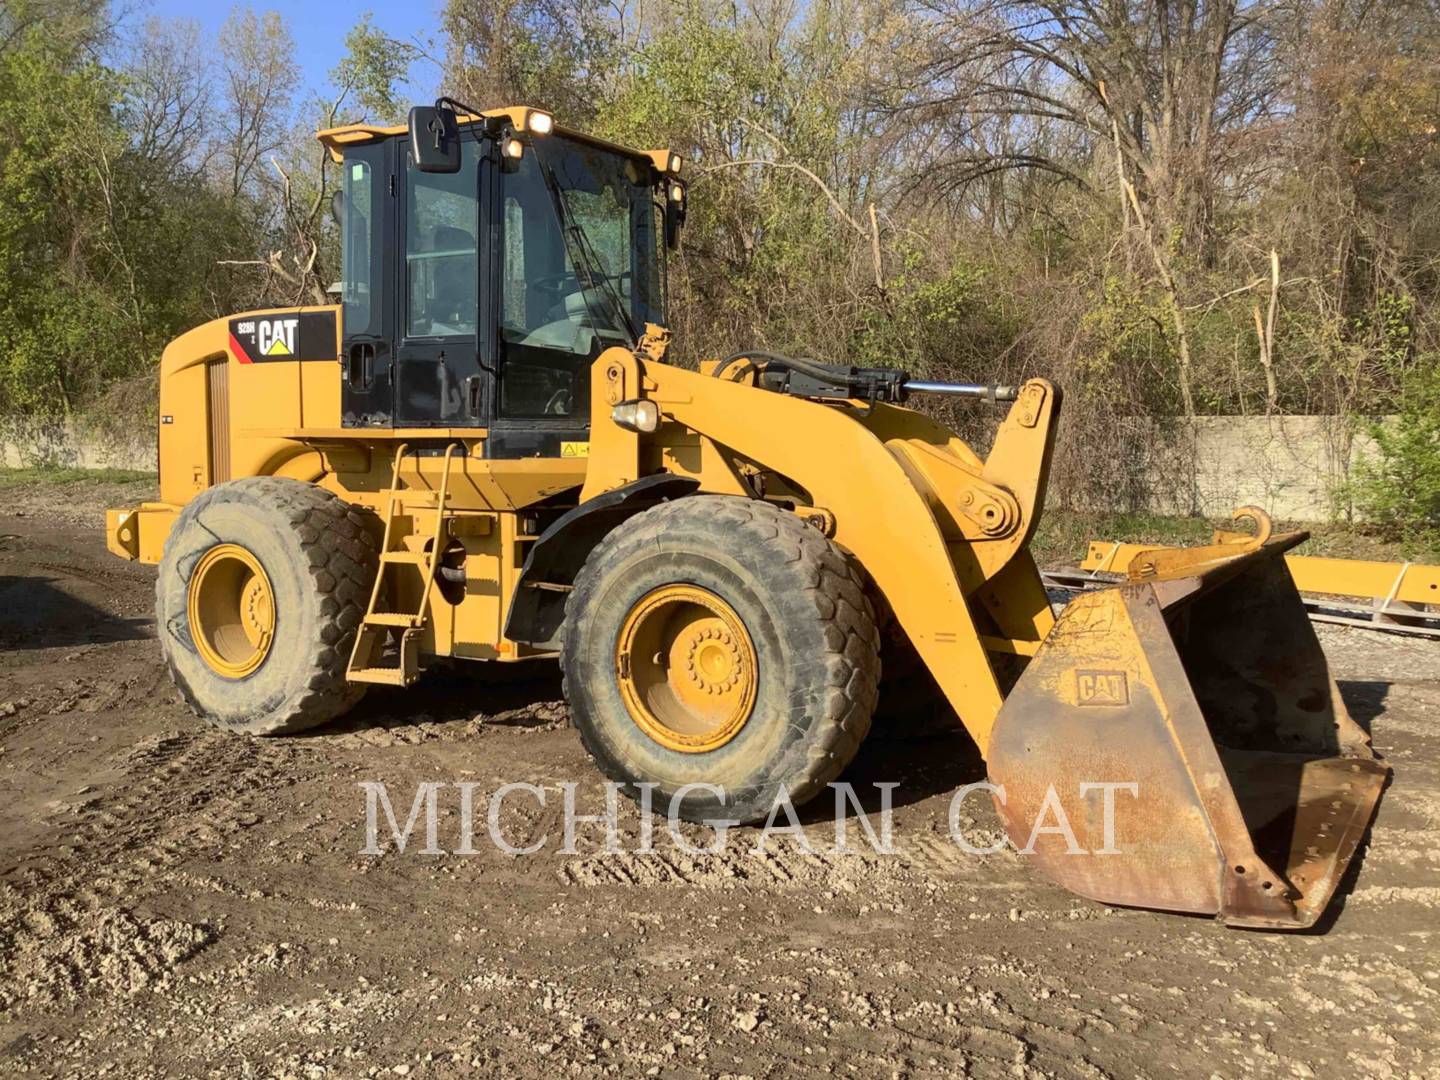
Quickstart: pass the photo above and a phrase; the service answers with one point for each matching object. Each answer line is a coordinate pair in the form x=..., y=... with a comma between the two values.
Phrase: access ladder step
x=392, y=618
x=382, y=676
x=367, y=665
x=371, y=637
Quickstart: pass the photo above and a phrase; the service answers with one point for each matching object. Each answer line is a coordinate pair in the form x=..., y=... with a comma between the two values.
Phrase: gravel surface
x=178, y=901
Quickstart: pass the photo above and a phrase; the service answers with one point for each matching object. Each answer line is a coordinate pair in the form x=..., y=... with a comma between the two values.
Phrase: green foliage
x=775, y=253
x=69, y=478
x=940, y=321
x=138, y=196
x=850, y=199
x=373, y=65
x=1125, y=344
x=549, y=53
x=1391, y=322
x=56, y=131
x=1400, y=488
x=107, y=256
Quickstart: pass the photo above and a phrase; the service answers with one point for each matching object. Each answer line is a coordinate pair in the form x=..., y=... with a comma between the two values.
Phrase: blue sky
x=319, y=28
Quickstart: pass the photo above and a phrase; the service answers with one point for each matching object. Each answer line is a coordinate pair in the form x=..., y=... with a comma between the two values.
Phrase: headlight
x=677, y=193
x=643, y=415
x=675, y=162
x=541, y=123
x=512, y=148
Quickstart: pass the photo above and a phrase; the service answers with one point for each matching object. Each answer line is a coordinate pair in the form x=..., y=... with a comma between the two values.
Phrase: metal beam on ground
x=1404, y=596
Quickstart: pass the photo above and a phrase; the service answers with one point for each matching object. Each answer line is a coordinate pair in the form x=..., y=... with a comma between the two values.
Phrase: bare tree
x=258, y=82
x=1165, y=82
x=1043, y=87
x=541, y=52
x=298, y=270
x=168, y=94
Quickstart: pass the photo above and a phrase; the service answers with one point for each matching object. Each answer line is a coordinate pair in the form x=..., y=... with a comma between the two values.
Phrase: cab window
x=357, y=262
x=441, y=253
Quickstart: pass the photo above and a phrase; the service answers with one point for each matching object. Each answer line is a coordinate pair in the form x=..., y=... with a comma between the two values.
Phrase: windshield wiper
x=586, y=262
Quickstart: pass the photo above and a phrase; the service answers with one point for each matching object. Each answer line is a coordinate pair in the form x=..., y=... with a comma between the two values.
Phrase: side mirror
x=435, y=139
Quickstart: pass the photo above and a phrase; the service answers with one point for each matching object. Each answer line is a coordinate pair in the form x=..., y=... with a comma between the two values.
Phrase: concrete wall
x=1291, y=466
x=69, y=446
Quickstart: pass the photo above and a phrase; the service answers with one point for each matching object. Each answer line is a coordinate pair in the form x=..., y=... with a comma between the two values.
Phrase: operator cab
x=487, y=260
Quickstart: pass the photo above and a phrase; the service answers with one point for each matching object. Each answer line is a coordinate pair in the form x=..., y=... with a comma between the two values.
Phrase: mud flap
x=1196, y=704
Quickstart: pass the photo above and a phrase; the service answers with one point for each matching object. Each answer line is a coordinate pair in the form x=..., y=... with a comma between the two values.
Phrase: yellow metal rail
x=1409, y=583
x=1398, y=589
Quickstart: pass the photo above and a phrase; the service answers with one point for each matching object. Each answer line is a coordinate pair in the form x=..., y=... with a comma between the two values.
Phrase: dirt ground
x=179, y=901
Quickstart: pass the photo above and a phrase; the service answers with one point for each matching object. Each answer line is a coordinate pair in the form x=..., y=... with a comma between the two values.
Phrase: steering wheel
x=567, y=281
x=555, y=285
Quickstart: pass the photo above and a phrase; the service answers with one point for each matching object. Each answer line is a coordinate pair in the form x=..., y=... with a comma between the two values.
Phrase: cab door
x=367, y=229
x=441, y=377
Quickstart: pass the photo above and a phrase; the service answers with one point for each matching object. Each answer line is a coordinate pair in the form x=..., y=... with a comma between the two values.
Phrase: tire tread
x=813, y=576
x=339, y=554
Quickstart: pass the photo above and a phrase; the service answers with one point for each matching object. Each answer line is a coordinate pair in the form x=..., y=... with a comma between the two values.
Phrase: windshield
x=612, y=200
x=581, y=270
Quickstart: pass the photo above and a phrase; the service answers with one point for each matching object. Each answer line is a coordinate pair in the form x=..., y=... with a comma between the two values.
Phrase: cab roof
x=337, y=138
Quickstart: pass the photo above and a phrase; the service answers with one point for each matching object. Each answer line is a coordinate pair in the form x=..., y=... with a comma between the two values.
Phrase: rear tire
x=306, y=560
x=808, y=647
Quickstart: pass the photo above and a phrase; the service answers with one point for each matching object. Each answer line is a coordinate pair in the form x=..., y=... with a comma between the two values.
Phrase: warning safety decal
x=294, y=335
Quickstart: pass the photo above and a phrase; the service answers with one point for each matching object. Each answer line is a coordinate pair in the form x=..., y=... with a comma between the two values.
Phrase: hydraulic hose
x=873, y=384
x=813, y=368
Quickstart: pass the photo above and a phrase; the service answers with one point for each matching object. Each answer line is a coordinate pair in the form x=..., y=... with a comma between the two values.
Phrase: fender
x=538, y=607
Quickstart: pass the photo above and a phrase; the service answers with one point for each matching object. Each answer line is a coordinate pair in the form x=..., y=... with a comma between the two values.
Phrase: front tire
x=719, y=640
x=260, y=590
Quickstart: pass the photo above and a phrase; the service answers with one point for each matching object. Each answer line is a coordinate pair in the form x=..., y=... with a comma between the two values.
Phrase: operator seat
x=456, y=277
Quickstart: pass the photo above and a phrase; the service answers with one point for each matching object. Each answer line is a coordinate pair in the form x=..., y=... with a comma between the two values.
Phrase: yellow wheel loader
x=482, y=452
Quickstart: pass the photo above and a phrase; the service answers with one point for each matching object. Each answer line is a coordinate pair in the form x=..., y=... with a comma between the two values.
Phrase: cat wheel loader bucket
x=1195, y=701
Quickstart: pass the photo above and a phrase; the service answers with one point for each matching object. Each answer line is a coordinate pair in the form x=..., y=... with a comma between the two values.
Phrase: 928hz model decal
x=285, y=335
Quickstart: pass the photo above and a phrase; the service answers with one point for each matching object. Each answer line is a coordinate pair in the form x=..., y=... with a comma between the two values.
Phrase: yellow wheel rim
x=686, y=668
x=231, y=608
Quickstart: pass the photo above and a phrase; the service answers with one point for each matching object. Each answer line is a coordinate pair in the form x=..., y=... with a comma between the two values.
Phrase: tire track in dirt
x=309, y=956
x=780, y=865
x=68, y=914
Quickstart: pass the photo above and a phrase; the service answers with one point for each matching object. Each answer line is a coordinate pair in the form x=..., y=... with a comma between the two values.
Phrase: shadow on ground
x=35, y=614
x=528, y=694
x=1365, y=699
x=521, y=694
